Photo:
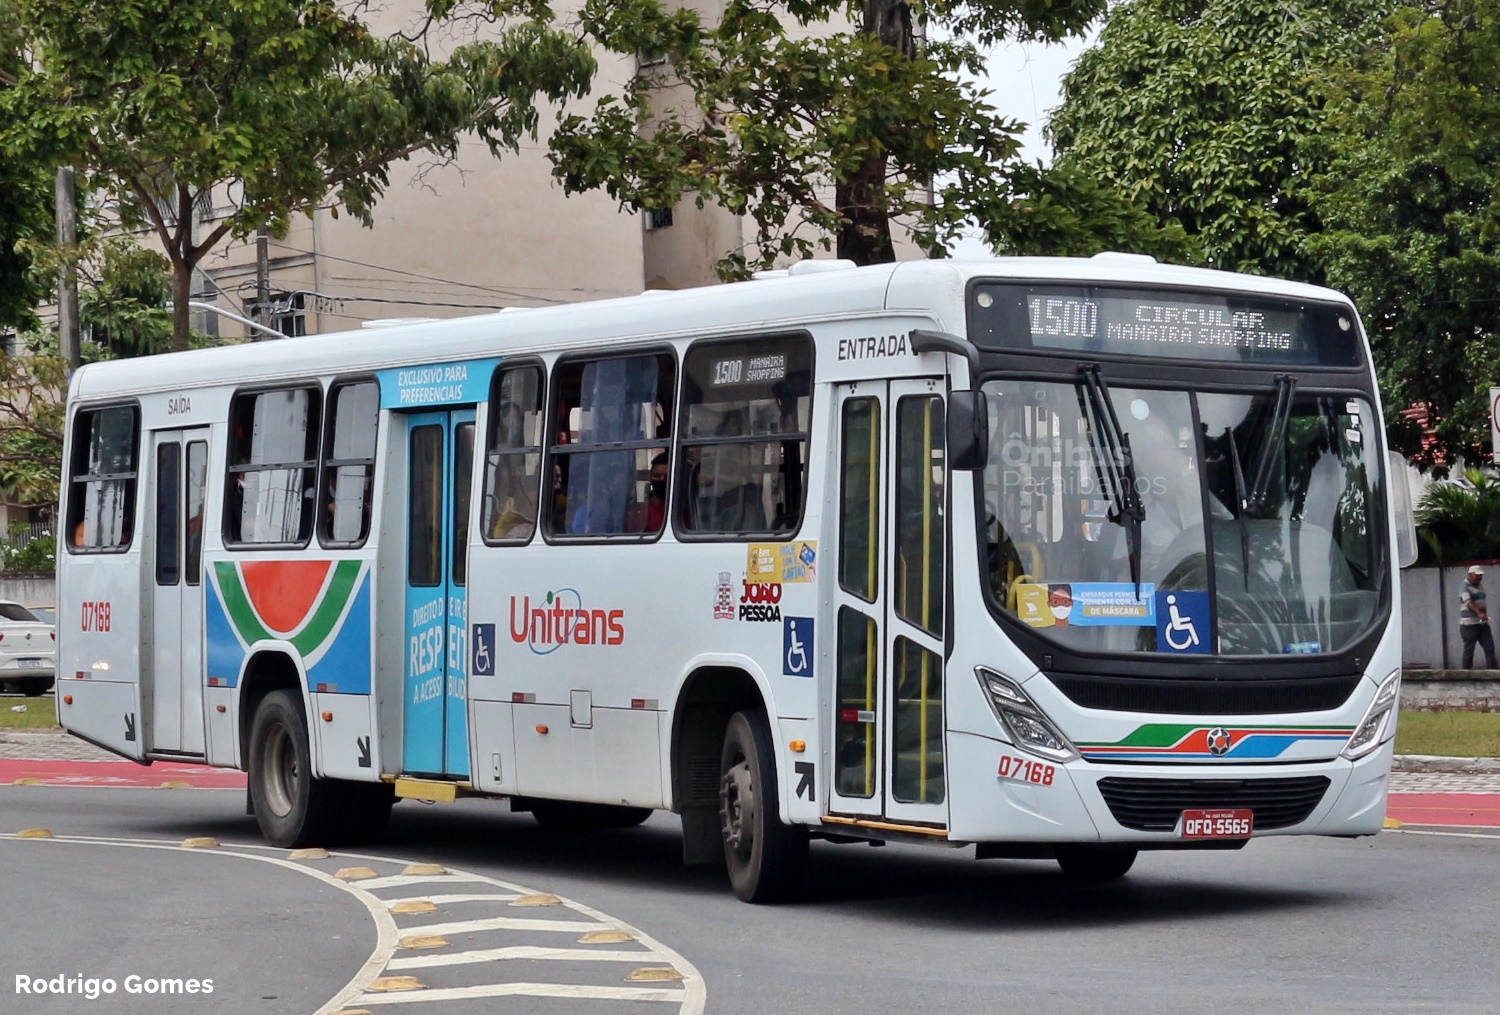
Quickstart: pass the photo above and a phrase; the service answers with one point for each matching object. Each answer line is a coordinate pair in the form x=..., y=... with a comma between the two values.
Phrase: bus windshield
x=1148, y=520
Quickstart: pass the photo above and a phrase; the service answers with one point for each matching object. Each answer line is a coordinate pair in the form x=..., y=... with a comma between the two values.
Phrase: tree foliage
x=821, y=130
x=1460, y=521
x=1195, y=111
x=273, y=106
x=25, y=207
x=1410, y=200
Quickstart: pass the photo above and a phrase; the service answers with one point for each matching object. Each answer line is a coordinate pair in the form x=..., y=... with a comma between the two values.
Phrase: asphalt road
x=1400, y=923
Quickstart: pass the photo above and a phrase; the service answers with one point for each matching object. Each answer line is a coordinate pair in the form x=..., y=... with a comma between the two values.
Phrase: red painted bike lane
x=1455, y=809
x=128, y=774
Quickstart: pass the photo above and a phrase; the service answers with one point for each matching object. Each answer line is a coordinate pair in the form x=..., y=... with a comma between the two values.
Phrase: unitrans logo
x=561, y=619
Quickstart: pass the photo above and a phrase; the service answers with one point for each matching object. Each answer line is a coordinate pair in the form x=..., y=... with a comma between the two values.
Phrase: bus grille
x=1215, y=697
x=1154, y=805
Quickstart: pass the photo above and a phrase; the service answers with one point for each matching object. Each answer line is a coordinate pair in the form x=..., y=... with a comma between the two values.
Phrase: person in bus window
x=649, y=516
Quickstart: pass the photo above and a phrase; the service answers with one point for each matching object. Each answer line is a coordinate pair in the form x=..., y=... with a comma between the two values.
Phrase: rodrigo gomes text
x=92, y=988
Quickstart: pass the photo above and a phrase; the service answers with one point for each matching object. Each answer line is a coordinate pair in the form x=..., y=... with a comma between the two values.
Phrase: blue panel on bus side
x=226, y=655
x=456, y=701
x=426, y=696
x=346, y=667
x=466, y=382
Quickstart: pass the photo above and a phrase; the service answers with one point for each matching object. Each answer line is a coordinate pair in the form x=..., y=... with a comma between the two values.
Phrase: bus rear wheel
x=766, y=859
x=1093, y=864
x=291, y=806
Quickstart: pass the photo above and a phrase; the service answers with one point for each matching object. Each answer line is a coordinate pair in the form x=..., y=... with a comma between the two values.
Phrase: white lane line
x=526, y=990
x=501, y=923
x=386, y=936
x=400, y=880
x=444, y=900
x=1453, y=835
x=693, y=995
x=518, y=952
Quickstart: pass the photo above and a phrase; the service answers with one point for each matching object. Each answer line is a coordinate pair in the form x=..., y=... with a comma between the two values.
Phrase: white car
x=28, y=651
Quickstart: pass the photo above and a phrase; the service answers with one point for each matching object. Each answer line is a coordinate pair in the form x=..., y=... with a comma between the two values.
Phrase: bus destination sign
x=749, y=369
x=1179, y=324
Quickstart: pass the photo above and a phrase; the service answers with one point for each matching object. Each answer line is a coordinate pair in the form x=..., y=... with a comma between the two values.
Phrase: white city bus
x=1061, y=558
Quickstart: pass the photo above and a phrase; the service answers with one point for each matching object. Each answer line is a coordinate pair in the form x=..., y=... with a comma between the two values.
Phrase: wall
x=1429, y=616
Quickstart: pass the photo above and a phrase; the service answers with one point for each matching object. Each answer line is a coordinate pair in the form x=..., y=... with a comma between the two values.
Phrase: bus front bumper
x=1007, y=795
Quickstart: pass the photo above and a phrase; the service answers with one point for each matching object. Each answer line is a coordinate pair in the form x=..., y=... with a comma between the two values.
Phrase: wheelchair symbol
x=1180, y=633
x=484, y=663
x=797, y=646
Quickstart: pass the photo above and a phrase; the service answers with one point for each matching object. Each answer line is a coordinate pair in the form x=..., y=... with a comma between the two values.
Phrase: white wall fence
x=1429, y=616
x=29, y=591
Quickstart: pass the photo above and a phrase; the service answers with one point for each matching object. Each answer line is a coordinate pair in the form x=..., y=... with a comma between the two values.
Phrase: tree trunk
x=182, y=291
x=866, y=235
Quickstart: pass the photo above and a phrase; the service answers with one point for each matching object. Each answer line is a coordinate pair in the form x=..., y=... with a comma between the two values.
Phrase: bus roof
x=933, y=287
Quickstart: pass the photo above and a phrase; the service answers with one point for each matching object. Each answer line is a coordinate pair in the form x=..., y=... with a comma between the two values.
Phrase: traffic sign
x=1495, y=424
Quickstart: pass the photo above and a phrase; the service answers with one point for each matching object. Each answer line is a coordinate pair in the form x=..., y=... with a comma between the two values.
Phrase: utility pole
x=262, y=278
x=67, y=276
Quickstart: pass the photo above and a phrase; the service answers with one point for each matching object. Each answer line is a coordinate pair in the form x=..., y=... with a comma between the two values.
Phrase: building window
x=658, y=218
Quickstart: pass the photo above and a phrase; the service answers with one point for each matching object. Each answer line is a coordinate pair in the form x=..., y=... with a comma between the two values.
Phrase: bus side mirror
x=1406, y=521
x=968, y=430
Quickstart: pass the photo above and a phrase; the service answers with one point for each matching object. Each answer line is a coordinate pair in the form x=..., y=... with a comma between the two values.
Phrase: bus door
x=890, y=603
x=180, y=464
x=440, y=449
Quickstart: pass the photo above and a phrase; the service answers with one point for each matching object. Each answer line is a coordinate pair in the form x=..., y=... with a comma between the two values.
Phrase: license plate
x=1217, y=824
x=28, y=664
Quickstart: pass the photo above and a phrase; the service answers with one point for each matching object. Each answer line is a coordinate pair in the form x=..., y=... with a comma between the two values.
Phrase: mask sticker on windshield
x=1086, y=604
x=1182, y=621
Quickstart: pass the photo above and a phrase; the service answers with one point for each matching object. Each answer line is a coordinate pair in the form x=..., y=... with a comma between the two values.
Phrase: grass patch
x=40, y=714
x=1449, y=734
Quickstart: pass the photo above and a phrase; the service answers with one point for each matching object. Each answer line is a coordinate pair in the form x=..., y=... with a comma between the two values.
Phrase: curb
x=1433, y=763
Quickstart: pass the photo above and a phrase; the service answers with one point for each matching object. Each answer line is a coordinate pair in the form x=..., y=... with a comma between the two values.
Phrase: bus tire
x=367, y=811
x=292, y=808
x=1094, y=865
x=766, y=859
x=567, y=816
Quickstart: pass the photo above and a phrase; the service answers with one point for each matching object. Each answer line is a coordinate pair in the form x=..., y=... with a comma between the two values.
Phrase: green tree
x=275, y=106
x=1410, y=201
x=25, y=206
x=1195, y=110
x=820, y=120
x=1460, y=522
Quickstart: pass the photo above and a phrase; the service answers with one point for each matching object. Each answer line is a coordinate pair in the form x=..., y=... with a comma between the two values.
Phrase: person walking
x=1474, y=619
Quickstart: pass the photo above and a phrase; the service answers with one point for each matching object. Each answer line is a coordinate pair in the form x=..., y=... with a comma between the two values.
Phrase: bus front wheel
x=766, y=859
x=292, y=808
x=1092, y=864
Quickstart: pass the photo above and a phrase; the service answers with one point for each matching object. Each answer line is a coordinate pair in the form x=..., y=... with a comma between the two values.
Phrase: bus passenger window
x=102, y=476
x=746, y=411
x=273, y=470
x=349, y=463
x=513, y=458
x=612, y=419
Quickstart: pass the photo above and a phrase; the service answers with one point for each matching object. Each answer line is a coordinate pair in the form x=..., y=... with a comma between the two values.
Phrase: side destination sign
x=464, y=382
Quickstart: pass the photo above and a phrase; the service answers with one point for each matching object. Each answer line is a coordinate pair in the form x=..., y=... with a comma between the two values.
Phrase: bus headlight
x=1379, y=723
x=1028, y=725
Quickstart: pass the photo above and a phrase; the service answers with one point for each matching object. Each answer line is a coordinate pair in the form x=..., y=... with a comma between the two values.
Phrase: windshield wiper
x=1242, y=501
x=1115, y=463
x=1265, y=462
